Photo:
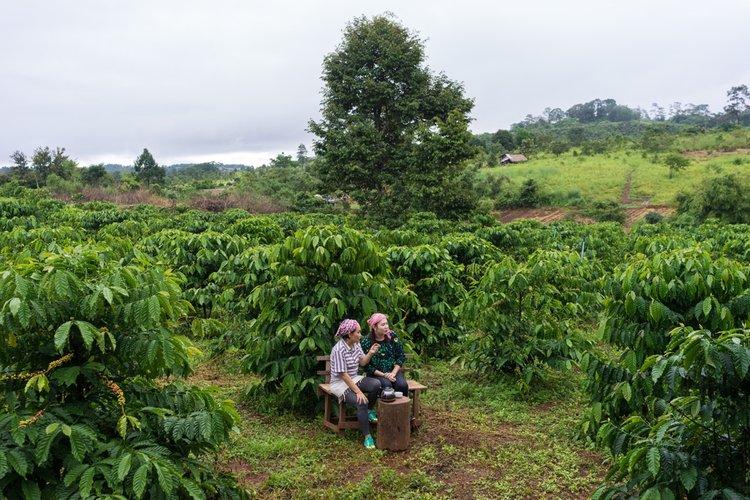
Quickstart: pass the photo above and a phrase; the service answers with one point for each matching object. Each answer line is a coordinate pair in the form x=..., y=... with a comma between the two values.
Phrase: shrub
x=473, y=253
x=653, y=217
x=319, y=276
x=430, y=273
x=649, y=423
x=528, y=195
x=676, y=162
x=196, y=256
x=84, y=340
x=260, y=229
x=690, y=437
x=522, y=315
x=723, y=197
x=603, y=211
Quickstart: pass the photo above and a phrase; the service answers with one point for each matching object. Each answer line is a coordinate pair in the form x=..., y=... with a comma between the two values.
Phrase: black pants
x=399, y=385
x=371, y=388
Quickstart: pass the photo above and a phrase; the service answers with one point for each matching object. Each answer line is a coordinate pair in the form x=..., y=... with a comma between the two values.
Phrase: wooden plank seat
x=342, y=420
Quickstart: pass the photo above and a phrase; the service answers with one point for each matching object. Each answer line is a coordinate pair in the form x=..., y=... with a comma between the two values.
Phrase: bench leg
x=327, y=409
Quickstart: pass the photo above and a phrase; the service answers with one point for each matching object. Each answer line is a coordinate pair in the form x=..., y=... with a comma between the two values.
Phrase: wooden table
x=394, y=426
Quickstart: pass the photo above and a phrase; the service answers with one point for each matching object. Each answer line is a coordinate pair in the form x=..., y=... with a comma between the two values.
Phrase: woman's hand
x=373, y=349
x=390, y=376
x=361, y=399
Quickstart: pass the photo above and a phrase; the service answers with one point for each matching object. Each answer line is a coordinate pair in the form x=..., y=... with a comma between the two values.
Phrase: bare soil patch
x=709, y=153
x=549, y=214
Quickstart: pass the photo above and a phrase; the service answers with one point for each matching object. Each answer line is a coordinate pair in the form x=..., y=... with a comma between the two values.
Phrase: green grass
x=714, y=140
x=479, y=440
x=602, y=177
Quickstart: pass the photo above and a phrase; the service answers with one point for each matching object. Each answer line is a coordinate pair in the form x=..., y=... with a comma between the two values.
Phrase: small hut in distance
x=512, y=158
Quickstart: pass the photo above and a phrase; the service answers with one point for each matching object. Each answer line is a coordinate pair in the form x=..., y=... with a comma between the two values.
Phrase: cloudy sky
x=237, y=81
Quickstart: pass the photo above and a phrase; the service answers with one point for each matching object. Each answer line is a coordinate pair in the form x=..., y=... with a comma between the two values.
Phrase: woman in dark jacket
x=386, y=364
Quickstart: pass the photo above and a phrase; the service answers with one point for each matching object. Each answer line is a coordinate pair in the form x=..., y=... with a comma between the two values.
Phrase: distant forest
x=600, y=124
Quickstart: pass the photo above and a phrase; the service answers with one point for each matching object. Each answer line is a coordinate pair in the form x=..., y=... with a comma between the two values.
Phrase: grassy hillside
x=568, y=178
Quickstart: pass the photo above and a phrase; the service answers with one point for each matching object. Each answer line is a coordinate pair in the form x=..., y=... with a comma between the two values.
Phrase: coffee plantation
x=101, y=308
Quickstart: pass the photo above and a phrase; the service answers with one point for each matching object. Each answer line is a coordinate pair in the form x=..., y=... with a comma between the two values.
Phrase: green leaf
x=86, y=482
x=73, y=474
x=165, y=479
x=88, y=332
x=626, y=391
x=61, y=335
x=3, y=464
x=107, y=294
x=31, y=490
x=122, y=426
x=77, y=445
x=192, y=489
x=18, y=462
x=688, y=478
x=707, y=306
x=66, y=376
x=658, y=370
x=653, y=461
x=14, y=305
x=140, y=480
x=43, y=444
x=651, y=494
x=123, y=466
x=154, y=309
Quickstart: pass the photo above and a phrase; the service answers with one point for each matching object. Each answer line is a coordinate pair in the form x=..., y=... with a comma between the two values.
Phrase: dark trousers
x=399, y=385
x=371, y=388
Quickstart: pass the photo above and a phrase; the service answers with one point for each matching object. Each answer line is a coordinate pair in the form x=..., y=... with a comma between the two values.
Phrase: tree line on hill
x=602, y=124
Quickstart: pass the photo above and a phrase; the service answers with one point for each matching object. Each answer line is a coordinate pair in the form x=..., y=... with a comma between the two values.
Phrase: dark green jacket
x=391, y=353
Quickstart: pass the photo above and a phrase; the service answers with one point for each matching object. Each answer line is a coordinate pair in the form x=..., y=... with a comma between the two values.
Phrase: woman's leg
x=400, y=384
x=362, y=417
x=371, y=387
x=384, y=382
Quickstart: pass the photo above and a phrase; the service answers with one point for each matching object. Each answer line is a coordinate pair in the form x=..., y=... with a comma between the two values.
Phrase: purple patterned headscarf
x=346, y=327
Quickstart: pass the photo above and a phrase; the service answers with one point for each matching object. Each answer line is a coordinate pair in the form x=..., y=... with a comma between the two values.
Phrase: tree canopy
x=147, y=169
x=392, y=133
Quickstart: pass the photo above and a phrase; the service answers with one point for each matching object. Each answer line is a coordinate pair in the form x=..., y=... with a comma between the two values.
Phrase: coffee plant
x=85, y=338
x=523, y=315
x=429, y=272
x=690, y=437
x=663, y=313
x=319, y=276
x=197, y=256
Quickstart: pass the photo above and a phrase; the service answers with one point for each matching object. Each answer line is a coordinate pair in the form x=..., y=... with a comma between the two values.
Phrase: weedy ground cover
x=479, y=440
x=568, y=178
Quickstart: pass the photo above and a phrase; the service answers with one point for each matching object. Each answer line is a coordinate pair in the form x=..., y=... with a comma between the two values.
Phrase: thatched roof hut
x=512, y=158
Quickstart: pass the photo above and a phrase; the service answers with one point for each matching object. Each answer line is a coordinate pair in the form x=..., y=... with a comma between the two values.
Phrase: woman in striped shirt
x=346, y=358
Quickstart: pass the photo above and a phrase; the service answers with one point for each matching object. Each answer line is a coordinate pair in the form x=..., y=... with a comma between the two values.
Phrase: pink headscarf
x=374, y=320
x=346, y=327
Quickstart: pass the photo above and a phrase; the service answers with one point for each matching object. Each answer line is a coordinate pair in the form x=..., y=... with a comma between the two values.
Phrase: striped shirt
x=344, y=359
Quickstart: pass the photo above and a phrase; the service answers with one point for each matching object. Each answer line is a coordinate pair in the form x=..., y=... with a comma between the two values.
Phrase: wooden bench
x=345, y=421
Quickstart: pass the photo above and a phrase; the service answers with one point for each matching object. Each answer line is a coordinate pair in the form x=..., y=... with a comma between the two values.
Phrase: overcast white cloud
x=237, y=81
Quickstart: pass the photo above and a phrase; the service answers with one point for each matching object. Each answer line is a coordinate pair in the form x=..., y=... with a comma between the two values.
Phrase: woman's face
x=381, y=328
x=356, y=334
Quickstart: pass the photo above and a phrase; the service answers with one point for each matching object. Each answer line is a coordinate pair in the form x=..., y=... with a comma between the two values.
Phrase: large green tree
x=147, y=169
x=392, y=133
